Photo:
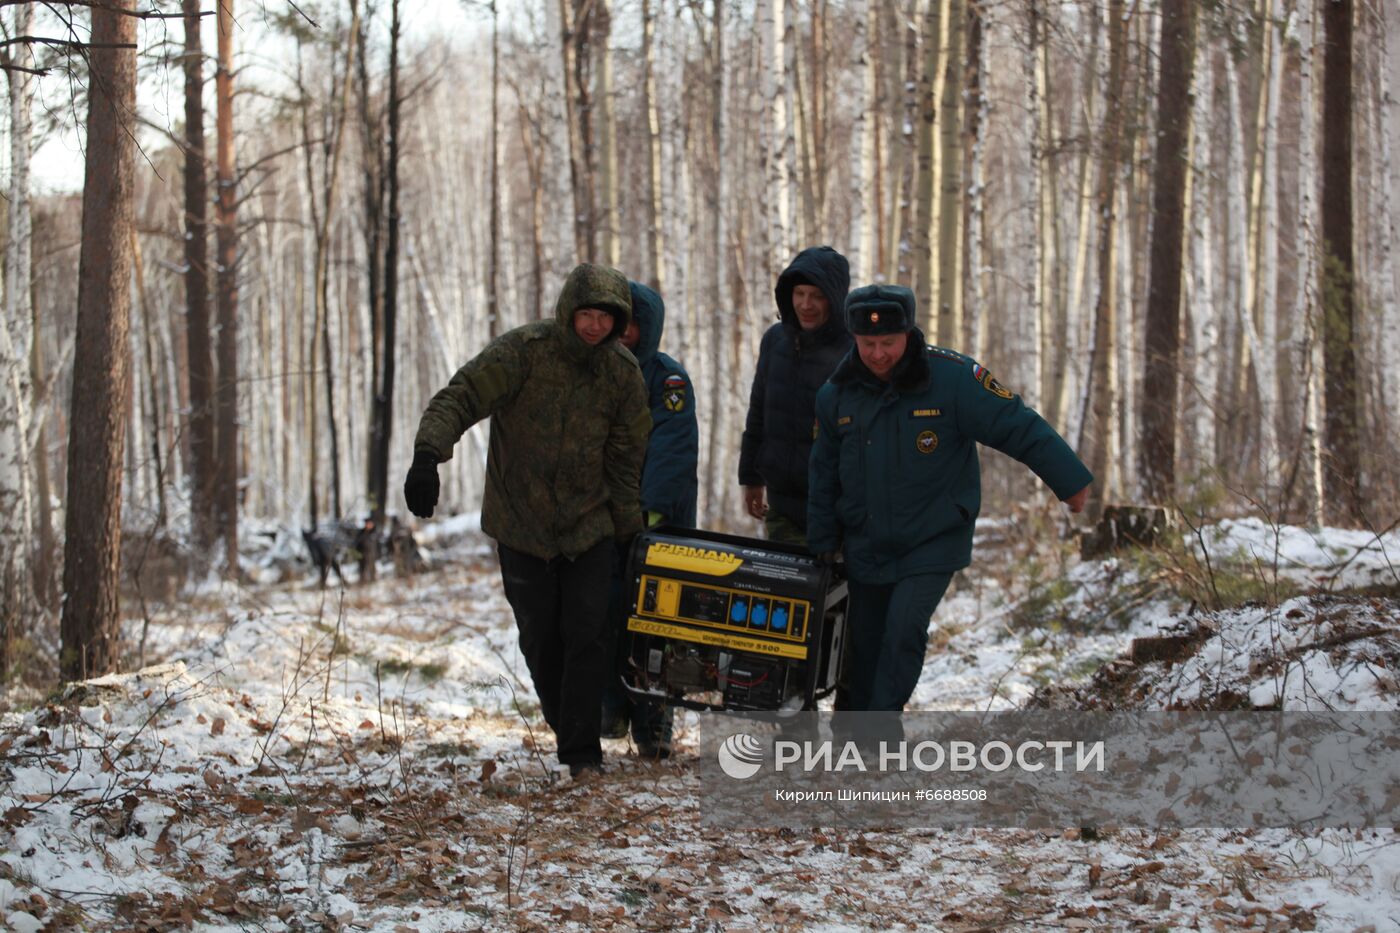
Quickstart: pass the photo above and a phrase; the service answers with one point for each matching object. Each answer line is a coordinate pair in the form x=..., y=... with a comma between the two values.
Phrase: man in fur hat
x=895, y=483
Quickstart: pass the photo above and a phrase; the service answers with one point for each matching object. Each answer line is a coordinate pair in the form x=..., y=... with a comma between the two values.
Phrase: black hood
x=649, y=311
x=828, y=270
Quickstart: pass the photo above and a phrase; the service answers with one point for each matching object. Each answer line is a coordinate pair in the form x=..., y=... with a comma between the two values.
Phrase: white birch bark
x=1306, y=352
x=733, y=326
x=675, y=183
x=1244, y=345
x=789, y=130
x=1387, y=365
x=862, y=90
x=609, y=233
x=1028, y=332
x=1266, y=359
x=262, y=493
x=655, y=240
x=16, y=336
x=775, y=133
x=1200, y=284
x=1127, y=349
x=976, y=218
x=559, y=237
x=1080, y=331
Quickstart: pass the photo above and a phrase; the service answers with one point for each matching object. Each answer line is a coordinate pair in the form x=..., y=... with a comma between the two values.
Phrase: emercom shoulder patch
x=984, y=378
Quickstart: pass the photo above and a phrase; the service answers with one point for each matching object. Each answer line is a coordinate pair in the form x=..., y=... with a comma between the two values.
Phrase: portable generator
x=719, y=622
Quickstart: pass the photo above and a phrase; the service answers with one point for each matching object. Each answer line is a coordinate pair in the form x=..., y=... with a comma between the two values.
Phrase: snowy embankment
x=373, y=758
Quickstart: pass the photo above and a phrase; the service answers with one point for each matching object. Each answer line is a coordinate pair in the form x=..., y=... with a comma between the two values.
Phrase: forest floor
x=372, y=758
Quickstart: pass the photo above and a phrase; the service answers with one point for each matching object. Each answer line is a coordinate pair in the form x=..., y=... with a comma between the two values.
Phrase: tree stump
x=1124, y=526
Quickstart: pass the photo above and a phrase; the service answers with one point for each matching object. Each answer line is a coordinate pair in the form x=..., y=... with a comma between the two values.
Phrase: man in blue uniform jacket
x=895, y=482
x=669, y=490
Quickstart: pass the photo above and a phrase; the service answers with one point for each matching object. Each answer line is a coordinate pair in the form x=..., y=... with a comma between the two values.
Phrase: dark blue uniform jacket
x=895, y=479
x=669, y=485
x=792, y=365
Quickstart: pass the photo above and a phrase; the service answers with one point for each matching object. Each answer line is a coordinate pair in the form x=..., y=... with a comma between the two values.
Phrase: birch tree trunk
x=815, y=188
x=1387, y=129
x=1244, y=340
x=533, y=149
x=150, y=401
x=863, y=90
x=1266, y=313
x=925, y=212
x=1097, y=420
x=1075, y=379
x=804, y=173
x=608, y=229
x=980, y=25
x=582, y=215
x=1205, y=331
x=1304, y=355
x=655, y=239
x=717, y=489
x=18, y=608
x=774, y=134
x=493, y=276
x=676, y=190
x=790, y=87
x=904, y=143
x=90, y=625
x=1028, y=331
x=1306, y=358
x=1054, y=329
x=950, y=202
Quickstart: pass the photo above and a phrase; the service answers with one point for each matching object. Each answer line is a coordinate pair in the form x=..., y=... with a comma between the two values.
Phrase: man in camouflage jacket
x=569, y=426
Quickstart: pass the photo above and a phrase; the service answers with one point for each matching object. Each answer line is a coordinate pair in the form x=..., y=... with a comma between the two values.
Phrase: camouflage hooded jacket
x=569, y=425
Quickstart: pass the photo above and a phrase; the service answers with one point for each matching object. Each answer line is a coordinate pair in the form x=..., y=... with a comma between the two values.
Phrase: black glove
x=828, y=557
x=420, y=489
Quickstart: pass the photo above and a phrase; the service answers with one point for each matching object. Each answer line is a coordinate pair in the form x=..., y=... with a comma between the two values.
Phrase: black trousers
x=561, y=611
x=888, y=634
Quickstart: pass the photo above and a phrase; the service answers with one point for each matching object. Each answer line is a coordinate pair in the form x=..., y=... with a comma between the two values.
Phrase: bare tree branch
x=64, y=43
x=134, y=14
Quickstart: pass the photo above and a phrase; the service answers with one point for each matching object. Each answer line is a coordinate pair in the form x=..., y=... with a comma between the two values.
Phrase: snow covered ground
x=372, y=758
